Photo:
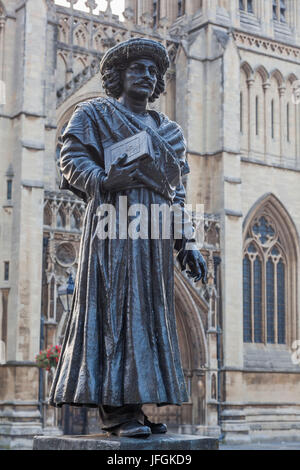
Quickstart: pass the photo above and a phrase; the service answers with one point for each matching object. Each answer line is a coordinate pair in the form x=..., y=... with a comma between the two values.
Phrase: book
x=138, y=146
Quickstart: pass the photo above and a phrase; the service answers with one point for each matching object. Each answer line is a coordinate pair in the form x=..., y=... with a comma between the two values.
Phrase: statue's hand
x=149, y=174
x=196, y=264
x=120, y=174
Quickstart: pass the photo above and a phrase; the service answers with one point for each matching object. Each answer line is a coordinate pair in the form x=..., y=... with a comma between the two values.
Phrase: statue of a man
x=120, y=349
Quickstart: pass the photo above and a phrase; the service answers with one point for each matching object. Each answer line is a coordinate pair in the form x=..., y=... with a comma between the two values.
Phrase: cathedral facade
x=234, y=87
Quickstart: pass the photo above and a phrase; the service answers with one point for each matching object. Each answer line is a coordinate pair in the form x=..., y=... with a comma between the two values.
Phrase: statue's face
x=140, y=79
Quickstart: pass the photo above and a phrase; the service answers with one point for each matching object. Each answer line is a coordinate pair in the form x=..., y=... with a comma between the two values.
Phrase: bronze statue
x=120, y=349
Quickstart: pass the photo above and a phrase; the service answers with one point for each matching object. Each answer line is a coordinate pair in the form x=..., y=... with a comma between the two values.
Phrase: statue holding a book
x=120, y=349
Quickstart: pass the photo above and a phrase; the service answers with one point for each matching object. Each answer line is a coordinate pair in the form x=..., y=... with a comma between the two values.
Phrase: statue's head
x=135, y=66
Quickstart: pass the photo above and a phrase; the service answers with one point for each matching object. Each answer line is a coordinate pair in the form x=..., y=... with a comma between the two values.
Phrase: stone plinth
x=104, y=442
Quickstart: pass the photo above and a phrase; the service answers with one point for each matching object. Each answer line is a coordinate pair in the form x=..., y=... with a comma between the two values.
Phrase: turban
x=136, y=48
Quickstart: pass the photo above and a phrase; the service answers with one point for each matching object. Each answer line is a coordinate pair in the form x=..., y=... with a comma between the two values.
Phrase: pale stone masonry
x=232, y=86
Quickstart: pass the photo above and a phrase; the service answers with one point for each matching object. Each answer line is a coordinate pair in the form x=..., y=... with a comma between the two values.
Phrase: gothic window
x=246, y=5
x=244, y=111
x=272, y=120
x=241, y=113
x=60, y=219
x=279, y=10
x=181, y=7
x=257, y=115
x=6, y=270
x=288, y=122
x=258, y=102
x=75, y=220
x=58, y=149
x=156, y=11
x=264, y=283
x=274, y=112
x=290, y=144
x=9, y=189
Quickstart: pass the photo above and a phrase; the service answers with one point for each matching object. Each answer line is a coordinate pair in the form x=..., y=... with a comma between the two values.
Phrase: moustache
x=144, y=82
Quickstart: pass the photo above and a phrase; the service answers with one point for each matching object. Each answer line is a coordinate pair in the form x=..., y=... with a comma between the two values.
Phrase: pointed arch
x=246, y=67
x=278, y=77
x=64, y=30
x=80, y=35
x=291, y=78
x=270, y=226
x=262, y=71
x=61, y=70
x=192, y=322
x=278, y=211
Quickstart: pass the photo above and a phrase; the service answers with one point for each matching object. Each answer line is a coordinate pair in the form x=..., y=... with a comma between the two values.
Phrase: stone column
x=267, y=17
x=133, y=4
x=168, y=9
x=234, y=10
x=144, y=6
x=19, y=377
x=298, y=139
x=282, y=121
x=210, y=9
x=232, y=246
x=267, y=125
x=251, y=116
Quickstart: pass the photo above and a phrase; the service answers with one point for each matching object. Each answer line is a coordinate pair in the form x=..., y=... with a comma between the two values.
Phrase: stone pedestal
x=176, y=442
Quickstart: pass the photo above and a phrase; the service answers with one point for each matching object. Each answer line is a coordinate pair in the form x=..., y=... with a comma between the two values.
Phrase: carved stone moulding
x=66, y=254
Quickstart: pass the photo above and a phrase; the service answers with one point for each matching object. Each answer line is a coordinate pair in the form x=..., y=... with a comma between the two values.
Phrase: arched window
x=279, y=10
x=290, y=144
x=156, y=12
x=181, y=7
x=274, y=111
x=246, y=5
x=60, y=219
x=269, y=302
x=244, y=107
x=259, y=114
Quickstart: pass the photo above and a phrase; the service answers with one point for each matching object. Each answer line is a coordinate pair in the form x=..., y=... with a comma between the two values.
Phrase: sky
x=117, y=6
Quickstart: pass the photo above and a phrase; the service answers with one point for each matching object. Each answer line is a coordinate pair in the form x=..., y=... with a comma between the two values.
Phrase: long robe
x=121, y=344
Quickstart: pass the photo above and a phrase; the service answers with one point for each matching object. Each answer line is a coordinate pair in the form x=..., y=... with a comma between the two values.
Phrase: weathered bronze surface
x=121, y=345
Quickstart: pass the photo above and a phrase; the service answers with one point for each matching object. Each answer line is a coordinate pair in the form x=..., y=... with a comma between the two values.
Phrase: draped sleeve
x=184, y=230
x=81, y=158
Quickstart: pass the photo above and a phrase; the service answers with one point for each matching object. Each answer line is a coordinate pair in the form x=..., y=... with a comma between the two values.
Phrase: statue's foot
x=131, y=429
x=156, y=428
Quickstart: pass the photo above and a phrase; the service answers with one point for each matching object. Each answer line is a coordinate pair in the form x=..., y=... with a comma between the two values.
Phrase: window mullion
x=264, y=302
x=275, y=305
x=252, y=299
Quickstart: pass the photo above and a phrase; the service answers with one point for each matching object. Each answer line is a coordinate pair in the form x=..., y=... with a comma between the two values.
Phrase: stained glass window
x=257, y=115
x=264, y=285
x=263, y=230
x=246, y=5
x=181, y=7
x=156, y=8
x=279, y=10
x=257, y=271
x=281, y=302
x=9, y=190
x=270, y=302
x=247, y=299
